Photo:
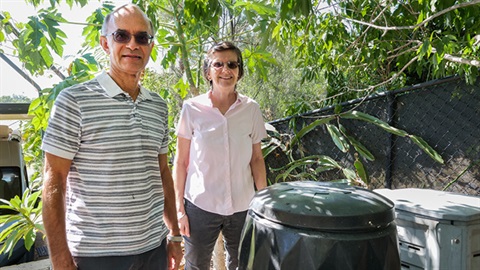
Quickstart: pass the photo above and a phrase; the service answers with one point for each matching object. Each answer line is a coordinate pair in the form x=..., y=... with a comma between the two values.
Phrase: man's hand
x=63, y=261
x=175, y=255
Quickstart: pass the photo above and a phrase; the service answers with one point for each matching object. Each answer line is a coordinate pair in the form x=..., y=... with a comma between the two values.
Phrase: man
x=107, y=182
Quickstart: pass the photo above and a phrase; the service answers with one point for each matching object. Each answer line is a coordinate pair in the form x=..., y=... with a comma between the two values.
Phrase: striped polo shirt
x=114, y=194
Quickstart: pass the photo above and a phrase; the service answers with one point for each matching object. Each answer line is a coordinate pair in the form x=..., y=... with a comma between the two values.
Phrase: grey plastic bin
x=313, y=225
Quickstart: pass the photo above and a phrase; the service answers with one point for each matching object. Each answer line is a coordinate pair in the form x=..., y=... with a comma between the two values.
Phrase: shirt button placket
x=228, y=179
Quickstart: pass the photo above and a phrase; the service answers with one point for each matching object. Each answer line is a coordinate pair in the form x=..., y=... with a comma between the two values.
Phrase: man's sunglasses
x=230, y=65
x=122, y=36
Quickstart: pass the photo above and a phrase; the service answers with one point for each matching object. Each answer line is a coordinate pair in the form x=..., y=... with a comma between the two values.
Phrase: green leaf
x=321, y=169
x=82, y=65
x=276, y=30
x=258, y=7
x=338, y=109
x=362, y=173
x=154, y=53
x=40, y=227
x=9, y=231
x=37, y=29
x=326, y=161
x=420, y=17
x=295, y=8
x=364, y=11
x=92, y=31
x=33, y=198
x=426, y=148
x=182, y=88
x=309, y=128
x=323, y=162
x=24, y=225
x=5, y=219
x=56, y=42
x=338, y=138
x=268, y=150
x=371, y=119
x=15, y=202
x=13, y=239
x=359, y=147
x=350, y=174
x=29, y=238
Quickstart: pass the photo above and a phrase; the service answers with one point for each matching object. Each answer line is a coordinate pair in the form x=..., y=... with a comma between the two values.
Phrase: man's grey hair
x=110, y=17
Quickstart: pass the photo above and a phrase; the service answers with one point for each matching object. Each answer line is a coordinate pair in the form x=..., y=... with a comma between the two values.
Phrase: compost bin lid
x=323, y=206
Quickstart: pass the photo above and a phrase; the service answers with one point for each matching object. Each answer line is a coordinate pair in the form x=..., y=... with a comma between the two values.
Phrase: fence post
x=391, y=119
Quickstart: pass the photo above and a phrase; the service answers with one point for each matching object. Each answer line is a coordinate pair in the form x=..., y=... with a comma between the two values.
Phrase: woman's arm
x=257, y=164
x=179, y=178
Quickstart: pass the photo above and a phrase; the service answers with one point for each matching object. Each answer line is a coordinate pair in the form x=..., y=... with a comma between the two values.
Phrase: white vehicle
x=12, y=166
x=14, y=181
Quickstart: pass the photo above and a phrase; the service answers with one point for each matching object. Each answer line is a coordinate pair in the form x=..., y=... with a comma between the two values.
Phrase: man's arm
x=175, y=253
x=53, y=210
x=257, y=164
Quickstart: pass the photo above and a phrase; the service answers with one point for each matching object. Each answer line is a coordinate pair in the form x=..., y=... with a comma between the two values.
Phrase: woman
x=219, y=160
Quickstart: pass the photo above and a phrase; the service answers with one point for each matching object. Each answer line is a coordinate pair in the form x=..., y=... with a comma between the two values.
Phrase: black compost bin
x=312, y=225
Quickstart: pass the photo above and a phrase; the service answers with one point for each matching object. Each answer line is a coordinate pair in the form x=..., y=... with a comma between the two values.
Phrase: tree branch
x=438, y=14
x=459, y=60
x=364, y=32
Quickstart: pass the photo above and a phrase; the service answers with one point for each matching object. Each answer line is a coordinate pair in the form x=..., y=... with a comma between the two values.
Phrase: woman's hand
x=184, y=225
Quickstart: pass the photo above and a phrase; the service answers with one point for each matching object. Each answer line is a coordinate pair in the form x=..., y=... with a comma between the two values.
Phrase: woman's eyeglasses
x=230, y=65
x=122, y=36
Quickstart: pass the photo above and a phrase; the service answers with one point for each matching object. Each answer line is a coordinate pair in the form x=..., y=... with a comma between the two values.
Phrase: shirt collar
x=112, y=89
x=208, y=99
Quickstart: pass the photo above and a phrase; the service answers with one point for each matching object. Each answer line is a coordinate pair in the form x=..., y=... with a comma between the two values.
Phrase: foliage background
x=299, y=54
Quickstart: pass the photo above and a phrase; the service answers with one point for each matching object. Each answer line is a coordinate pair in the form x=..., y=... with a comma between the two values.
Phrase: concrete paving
x=35, y=265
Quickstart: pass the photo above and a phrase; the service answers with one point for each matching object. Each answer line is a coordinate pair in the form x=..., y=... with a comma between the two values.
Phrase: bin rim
x=323, y=206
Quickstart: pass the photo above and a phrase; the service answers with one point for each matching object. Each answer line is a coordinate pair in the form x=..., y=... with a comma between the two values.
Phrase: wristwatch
x=175, y=238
